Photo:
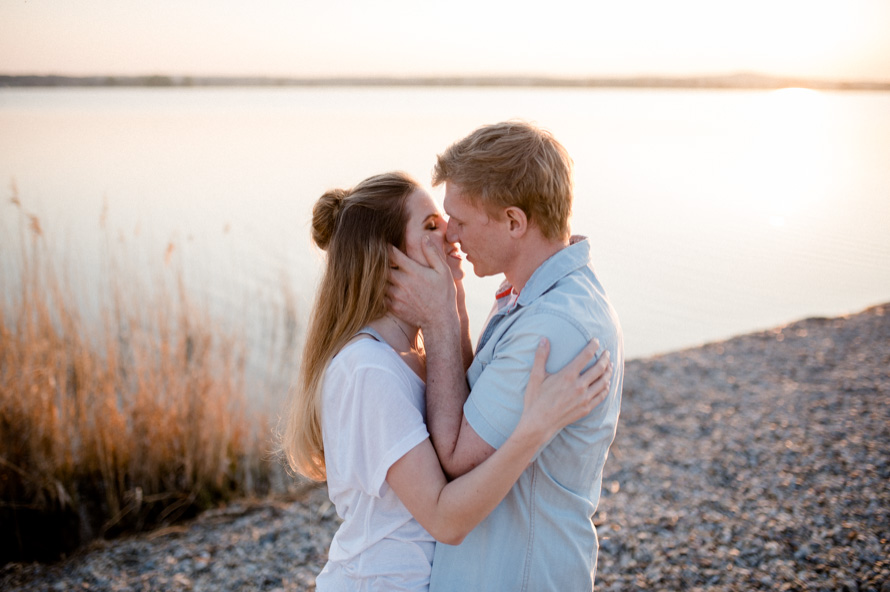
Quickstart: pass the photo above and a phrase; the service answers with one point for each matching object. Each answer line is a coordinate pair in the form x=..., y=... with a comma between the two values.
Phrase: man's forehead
x=455, y=201
x=448, y=203
x=457, y=204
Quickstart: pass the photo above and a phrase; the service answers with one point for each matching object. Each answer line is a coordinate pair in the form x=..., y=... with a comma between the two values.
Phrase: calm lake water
x=711, y=213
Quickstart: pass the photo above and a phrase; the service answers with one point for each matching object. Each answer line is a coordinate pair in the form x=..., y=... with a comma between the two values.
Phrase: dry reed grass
x=133, y=421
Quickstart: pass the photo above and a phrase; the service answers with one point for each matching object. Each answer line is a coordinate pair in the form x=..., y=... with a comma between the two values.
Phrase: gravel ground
x=758, y=463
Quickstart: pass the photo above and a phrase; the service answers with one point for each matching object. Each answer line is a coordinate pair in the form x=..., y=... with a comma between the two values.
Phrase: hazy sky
x=823, y=38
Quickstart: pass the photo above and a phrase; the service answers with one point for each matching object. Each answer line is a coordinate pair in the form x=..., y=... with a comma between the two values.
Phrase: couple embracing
x=456, y=469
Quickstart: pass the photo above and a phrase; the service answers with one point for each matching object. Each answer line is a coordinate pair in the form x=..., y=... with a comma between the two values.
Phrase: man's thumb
x=434, y=256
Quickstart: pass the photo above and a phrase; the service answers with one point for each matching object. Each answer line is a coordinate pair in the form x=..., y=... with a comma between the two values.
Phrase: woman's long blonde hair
x=356, y=228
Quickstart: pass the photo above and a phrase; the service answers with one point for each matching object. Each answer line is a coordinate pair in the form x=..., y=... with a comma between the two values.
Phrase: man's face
x=482, y=238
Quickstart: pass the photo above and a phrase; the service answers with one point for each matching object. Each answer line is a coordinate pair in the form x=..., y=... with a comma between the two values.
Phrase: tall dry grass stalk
x=135, y=420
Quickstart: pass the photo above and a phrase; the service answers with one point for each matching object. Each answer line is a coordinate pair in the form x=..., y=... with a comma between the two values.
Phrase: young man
x=508, y=195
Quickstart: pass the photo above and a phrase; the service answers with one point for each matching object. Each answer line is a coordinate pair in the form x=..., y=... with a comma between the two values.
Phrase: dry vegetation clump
x=134, y=419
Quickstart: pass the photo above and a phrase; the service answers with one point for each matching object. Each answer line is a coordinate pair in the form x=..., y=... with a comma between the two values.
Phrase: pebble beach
x=757, y=463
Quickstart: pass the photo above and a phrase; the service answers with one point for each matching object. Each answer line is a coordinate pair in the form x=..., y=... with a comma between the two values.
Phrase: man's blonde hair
x=513, y=163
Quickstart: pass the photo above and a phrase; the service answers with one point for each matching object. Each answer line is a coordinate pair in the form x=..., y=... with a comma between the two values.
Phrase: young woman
x=357, y=417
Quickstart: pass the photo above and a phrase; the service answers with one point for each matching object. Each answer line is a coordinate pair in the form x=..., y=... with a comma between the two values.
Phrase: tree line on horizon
x=731, y=81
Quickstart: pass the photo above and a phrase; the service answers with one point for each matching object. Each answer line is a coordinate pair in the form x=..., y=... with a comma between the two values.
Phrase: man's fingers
x=392, y=294
x=434, y=255
x=395, y=277
x=400, y=259
x=401, y=267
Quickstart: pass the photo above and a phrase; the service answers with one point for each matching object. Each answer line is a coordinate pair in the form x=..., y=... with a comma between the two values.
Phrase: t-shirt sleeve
x=496, y=400
x=376, y=420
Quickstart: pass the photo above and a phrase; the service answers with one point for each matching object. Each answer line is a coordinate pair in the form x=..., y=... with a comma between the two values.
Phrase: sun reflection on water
x=789, y=158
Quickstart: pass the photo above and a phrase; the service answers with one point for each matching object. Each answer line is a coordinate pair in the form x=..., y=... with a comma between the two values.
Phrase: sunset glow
x=827, y=39
x=789, y=154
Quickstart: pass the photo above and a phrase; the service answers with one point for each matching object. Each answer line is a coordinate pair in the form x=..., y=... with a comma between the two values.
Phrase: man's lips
x=455, y=253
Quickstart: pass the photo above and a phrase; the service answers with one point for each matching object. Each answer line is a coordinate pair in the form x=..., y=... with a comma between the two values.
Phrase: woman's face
x=425, y=219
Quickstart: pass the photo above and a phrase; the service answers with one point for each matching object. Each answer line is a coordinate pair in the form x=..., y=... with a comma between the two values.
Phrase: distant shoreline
x=732, y=82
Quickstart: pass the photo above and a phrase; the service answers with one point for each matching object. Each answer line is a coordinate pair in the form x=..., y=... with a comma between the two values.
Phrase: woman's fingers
x=556, y=400
x=597, y=370
x=599, y=388
x=588, y=387
x=539, y=367
x=583, y=358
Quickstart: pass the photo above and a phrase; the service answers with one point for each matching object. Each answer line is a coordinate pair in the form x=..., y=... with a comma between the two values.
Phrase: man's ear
x=517, y=221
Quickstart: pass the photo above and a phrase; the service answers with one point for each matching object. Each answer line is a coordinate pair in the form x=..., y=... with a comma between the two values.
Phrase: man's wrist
x=441, y=324
x=442, y=320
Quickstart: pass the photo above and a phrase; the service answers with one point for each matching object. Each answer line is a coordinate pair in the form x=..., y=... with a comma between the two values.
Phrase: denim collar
x=559, y=265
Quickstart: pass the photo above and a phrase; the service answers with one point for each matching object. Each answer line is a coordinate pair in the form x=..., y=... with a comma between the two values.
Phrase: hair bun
x=325, y=214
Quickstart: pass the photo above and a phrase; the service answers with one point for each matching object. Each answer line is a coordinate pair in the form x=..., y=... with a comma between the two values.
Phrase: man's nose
x=450, y=235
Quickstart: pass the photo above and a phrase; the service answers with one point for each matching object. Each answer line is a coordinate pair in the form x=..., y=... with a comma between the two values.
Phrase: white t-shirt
x=373, y=412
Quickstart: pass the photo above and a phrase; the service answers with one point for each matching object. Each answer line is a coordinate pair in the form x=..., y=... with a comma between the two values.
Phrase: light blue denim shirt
x=541, y=537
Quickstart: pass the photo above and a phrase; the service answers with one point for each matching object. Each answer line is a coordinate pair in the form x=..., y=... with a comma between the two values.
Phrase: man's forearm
x=446, y=385
x=466, y=343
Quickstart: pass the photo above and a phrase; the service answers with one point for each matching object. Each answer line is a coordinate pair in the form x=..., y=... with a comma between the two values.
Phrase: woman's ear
x=517, y=221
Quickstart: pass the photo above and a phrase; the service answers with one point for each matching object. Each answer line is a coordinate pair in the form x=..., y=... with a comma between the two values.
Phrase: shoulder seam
x=555, y=312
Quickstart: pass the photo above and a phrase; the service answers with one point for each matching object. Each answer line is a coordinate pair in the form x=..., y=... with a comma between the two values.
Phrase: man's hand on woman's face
x=423, y=295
